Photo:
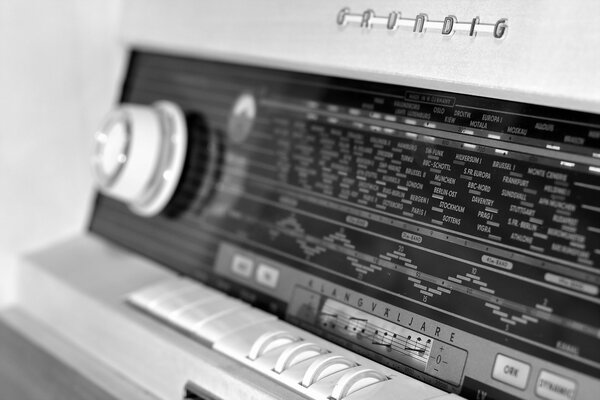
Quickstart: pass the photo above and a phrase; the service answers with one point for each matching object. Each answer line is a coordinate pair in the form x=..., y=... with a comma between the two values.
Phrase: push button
x=212, y=329
x=190, y=317
x=267, y=275
x=325, y=366
x=554, y=387
x=510, y=371
x=270, y=341
x=182, y=300
x=239, y=344
x=356, y=380
x=296, y=354
x=146, y=297
x=323, y=388
x=242, y=266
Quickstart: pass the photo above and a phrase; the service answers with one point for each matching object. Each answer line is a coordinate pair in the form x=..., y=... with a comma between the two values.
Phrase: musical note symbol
x=416, y=345
x=328, y=320
x=382, y=338
x=415, y=349
x=356, y=326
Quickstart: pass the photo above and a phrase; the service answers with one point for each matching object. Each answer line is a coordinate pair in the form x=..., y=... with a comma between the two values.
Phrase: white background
x=60, y=66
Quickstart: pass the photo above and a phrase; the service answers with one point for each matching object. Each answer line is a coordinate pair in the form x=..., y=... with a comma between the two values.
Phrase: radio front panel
x=453, y=238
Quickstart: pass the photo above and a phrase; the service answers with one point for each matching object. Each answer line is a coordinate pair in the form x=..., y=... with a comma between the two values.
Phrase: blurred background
x=59, y=61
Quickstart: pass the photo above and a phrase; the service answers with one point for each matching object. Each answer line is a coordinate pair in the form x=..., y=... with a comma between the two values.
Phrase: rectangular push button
x=267, y=275
x=186, y=298
x=555, y=387
x=239, y=343
x=189, y=318
x=147, y=296
x=510, y=371
x=237, y=319
x=242, y=266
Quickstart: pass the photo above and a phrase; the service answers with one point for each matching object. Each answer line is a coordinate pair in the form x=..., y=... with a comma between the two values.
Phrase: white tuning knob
x=139, y=153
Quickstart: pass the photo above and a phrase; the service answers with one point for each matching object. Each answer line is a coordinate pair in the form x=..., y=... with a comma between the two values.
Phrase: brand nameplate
x=421, y=24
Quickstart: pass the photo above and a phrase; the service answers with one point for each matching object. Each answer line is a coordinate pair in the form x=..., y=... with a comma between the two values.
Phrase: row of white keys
x=196, y=309
x=287, y=354
x=304, y=366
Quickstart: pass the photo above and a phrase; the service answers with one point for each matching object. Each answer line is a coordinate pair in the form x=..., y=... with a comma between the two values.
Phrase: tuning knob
x=139, y=155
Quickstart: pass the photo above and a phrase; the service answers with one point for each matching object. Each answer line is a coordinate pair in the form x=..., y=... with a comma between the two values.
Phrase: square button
x=555, y=387
x=242, y=266
x=267, y=275
x=510, y=371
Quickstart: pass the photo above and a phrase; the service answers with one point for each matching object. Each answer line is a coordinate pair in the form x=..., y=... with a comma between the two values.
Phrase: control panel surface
x=453, y=238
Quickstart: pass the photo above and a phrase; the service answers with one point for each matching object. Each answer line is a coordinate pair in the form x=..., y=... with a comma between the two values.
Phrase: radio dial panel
x=451, y=238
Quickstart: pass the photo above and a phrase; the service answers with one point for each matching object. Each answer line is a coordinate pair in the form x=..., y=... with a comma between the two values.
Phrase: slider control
x=356, y=380
x=325, y=366
x=270, y=341
x=295, y=354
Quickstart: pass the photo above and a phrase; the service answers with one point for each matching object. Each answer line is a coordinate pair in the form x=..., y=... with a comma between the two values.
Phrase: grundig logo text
x=421, y=23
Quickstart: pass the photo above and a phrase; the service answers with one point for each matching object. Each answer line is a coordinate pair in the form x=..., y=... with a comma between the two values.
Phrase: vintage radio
x=343, y=200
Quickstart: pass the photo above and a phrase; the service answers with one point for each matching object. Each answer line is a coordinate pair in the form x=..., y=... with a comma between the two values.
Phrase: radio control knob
x=139, y=155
